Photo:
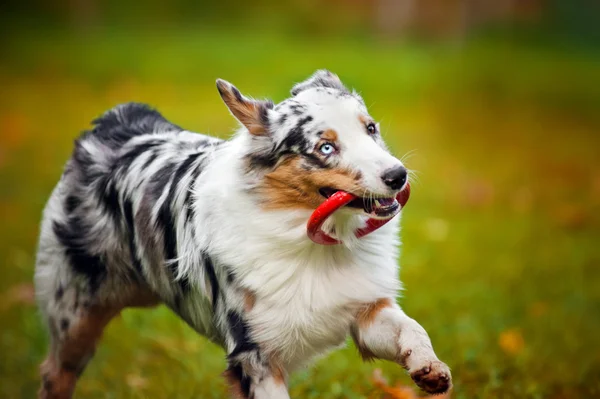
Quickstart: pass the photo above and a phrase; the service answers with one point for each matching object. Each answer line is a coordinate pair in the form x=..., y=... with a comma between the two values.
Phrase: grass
x=500, y=256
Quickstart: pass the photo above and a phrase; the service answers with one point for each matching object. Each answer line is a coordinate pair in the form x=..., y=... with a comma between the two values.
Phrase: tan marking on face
x=365, y=119
x=329, y=135
x=290, y=186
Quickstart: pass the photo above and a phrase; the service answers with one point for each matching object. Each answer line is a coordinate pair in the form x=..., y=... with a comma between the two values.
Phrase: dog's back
x=109, y=226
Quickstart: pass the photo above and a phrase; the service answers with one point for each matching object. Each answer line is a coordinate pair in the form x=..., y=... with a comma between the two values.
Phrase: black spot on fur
x=212, y=279
x=130, y=156
x=182, y=170
x=149, y=161
x=47, y=384
x=59, y=293
x=64, y=324
x=297, y=108
x=262, y=161
x=314, y=161
x=282, y=119
x=129, y=219
x=188, y=203
x=267, y=160
x=110, y=199
x=71, y=203
x=161, y=179
x=166, y=219
x=184, y=284
x=72, y=235
x=230, y=276
x=296, y=137
x=239, y=331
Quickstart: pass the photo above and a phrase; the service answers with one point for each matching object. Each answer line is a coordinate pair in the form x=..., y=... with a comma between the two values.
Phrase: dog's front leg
x=250, y=376
x=382, y=330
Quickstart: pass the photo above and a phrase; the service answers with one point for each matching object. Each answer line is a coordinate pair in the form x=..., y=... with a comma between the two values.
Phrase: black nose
x=395, y=177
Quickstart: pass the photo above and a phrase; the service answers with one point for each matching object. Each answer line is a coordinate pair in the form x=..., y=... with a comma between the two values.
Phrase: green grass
x=500, y=256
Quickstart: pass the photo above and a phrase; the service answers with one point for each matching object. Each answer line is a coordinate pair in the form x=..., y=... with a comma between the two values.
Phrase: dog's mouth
x=374, y=206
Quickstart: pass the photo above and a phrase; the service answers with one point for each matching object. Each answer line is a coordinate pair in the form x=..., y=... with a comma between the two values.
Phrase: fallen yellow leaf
x=136, y=381
x=511, y=341
x=398, y=391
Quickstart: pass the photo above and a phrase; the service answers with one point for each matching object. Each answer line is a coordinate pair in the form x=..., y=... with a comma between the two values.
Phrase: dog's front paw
x=434, y=378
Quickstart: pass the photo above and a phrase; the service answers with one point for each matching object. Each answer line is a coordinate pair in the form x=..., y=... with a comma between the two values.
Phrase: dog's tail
x=125, y=121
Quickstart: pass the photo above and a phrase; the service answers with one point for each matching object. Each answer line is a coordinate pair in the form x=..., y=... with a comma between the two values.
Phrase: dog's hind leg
x=76, y=321
x=73, y=343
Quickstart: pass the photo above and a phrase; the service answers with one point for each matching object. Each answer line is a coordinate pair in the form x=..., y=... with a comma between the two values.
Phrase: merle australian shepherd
x=148, y=213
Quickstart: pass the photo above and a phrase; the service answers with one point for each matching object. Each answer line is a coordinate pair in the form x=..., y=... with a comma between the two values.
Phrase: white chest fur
x=313, y=310
x=306, y=297
x=306, y=294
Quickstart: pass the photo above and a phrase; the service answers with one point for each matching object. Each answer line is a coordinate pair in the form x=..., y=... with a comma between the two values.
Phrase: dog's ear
x=321, y=78
x=253, y=114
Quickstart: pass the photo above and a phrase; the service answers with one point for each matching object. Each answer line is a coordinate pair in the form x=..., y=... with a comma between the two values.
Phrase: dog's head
x=315, y=143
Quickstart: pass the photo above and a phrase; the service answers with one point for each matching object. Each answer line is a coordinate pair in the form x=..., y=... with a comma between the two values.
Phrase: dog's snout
x=395, y=177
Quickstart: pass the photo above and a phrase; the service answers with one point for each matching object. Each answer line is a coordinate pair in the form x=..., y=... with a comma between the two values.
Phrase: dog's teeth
x=377, y=203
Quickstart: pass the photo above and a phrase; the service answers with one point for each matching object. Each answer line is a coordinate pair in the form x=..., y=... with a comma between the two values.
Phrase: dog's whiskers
x=408, y=155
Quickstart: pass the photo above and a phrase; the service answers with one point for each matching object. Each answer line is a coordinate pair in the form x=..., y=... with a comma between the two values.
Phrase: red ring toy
x=335, y=202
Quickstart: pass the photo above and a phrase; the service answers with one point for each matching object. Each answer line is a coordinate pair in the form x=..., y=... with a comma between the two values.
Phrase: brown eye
x=371, y=128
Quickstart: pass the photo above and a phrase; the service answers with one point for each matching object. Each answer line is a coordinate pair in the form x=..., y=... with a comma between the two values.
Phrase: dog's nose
x=395, y=177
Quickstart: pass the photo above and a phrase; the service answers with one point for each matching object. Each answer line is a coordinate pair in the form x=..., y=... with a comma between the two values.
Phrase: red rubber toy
x=335, y=202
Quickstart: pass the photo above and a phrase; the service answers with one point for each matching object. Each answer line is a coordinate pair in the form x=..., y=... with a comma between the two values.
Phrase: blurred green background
x=497, y=104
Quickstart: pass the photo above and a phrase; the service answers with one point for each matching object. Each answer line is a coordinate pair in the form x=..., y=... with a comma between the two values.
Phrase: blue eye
x=327, y=149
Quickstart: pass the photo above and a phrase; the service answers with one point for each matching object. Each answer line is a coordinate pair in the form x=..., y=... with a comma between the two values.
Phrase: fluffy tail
x=123, y=122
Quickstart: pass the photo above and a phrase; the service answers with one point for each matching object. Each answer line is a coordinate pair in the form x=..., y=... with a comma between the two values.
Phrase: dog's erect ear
x=253, y=114
x=321, y=78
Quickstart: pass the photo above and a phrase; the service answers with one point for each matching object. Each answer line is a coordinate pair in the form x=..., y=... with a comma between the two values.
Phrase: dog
x=147, y=213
